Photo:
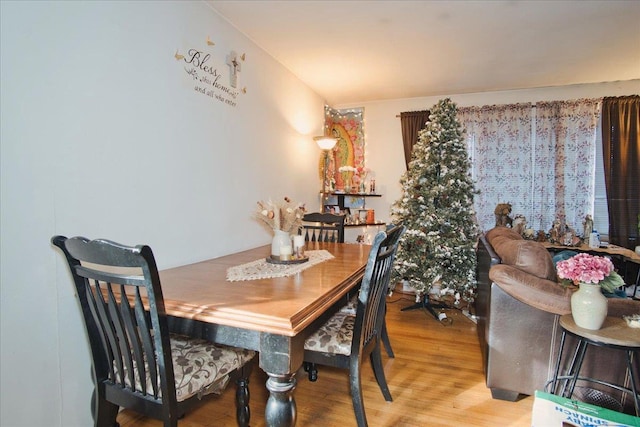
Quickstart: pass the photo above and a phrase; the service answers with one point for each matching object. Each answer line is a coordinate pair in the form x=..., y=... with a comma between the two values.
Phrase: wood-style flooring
x=436, y=379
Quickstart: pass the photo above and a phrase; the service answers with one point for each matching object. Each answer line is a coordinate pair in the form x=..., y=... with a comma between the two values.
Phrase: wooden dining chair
x=345, y=340
x=351, y=308
x=327, y=227
x=137, y=363
x=323, y=227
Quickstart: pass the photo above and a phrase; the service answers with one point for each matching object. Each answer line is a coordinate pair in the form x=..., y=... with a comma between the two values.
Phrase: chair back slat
x=381, y=275
x=127, y=328
x=323, y=227
x=146, y=347
x=121, y=339
x=107, y=327
x=124, y=279
x=136, y=356
x=98, y=309
x=370, y=309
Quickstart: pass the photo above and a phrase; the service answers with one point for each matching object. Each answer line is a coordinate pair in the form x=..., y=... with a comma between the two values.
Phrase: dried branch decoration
x=285, y=216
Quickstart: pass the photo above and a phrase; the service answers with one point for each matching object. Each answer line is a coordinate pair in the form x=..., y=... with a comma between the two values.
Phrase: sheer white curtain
x=565, y=159
x=539, y=159
x=501, y=149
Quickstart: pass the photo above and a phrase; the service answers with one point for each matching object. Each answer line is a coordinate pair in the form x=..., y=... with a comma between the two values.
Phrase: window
x=600, y=210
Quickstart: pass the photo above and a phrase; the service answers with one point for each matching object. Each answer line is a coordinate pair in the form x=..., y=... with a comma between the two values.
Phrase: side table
x=616, y=334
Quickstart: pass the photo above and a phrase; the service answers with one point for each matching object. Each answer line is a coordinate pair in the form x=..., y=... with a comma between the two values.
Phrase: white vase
x=347, y=185
x=280, y=239
x=589, y=306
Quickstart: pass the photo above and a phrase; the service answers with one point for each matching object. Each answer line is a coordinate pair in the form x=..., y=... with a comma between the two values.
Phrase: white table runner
x=261, y=269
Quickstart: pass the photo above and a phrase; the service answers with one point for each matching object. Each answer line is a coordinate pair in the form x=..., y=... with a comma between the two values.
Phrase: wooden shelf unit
x=342, y=205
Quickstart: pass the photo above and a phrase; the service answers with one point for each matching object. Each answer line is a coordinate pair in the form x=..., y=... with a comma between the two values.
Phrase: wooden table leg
x=280, y=358
x=281, y=405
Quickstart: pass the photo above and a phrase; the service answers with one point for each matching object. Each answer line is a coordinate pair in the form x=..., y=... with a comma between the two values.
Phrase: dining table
x=271, y=315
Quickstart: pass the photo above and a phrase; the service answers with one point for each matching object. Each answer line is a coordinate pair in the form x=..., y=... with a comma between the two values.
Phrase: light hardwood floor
x=436, y=379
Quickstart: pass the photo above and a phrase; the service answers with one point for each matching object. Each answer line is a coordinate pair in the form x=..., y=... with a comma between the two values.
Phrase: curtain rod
x=533, y=104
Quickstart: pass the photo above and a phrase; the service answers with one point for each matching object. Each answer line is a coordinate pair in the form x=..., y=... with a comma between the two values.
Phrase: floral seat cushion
x=334, y=336
x=200, y=367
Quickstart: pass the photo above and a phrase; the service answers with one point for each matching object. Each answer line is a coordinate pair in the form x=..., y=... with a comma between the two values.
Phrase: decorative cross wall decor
x=235, y=67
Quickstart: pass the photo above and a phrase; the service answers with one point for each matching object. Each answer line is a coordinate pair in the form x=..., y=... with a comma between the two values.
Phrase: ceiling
x=358, y=51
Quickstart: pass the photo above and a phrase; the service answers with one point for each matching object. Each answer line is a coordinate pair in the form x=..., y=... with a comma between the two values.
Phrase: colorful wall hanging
x=347, y=126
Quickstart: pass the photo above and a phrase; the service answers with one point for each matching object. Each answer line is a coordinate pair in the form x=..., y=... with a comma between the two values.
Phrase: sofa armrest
x=540, y=293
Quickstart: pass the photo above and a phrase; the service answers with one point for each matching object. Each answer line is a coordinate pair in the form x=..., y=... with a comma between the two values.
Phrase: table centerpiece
x=284, y=218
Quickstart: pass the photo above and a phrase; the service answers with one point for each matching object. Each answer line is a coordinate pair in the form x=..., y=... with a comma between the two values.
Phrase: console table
x=614, y=250
x=616, y=334
x=626, y=255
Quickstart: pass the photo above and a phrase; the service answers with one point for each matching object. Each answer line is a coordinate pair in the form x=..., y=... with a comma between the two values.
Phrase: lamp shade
x=325, y=142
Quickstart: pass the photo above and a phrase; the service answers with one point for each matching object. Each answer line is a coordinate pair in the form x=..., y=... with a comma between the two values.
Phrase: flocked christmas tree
x=437, y=250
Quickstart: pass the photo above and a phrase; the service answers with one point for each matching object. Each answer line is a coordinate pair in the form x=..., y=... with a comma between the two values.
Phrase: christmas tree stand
x=426, y=305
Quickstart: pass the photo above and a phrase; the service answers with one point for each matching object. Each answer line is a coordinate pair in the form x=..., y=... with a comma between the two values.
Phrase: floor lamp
x=326, y=144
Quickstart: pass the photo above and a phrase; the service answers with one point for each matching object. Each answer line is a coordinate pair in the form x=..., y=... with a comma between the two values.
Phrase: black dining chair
x=351, y=308
x=345, y=340
x=328, y=227
x=137, y=363
x=323, y=227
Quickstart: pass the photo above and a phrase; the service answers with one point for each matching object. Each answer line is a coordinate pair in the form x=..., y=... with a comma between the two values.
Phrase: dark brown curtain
x=621, y=152
x=412, y=122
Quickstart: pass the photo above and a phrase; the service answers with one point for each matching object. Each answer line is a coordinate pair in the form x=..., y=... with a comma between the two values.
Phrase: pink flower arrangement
x=585, y=268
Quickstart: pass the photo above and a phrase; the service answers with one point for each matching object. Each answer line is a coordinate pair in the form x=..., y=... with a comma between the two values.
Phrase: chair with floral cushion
x=137, y=363
x=351, y=308
x=345, y=340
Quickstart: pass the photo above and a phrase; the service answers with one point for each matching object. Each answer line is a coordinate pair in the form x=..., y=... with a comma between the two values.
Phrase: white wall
x=103, y=135
x=383, y=134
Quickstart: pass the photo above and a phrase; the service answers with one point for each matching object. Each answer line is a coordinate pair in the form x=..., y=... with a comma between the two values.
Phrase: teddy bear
x=502, y=212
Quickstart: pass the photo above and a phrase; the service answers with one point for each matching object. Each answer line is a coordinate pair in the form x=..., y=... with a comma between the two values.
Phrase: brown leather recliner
x=519, y=302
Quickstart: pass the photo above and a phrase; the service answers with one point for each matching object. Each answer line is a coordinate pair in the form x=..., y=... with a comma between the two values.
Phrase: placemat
x=261, y=269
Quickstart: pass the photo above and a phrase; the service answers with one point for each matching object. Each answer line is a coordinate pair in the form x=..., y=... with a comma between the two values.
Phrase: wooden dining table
x=272, y=316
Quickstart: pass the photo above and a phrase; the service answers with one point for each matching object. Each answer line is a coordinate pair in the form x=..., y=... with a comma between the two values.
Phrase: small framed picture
x=362, y=216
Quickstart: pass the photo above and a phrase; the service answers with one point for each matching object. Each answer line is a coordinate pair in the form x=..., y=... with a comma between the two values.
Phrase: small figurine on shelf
x=519, y=224
x=529, y=234
x=588, y=228
x=557, y=230
x=569, y=238
x=362, y=173
x=372, y=186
